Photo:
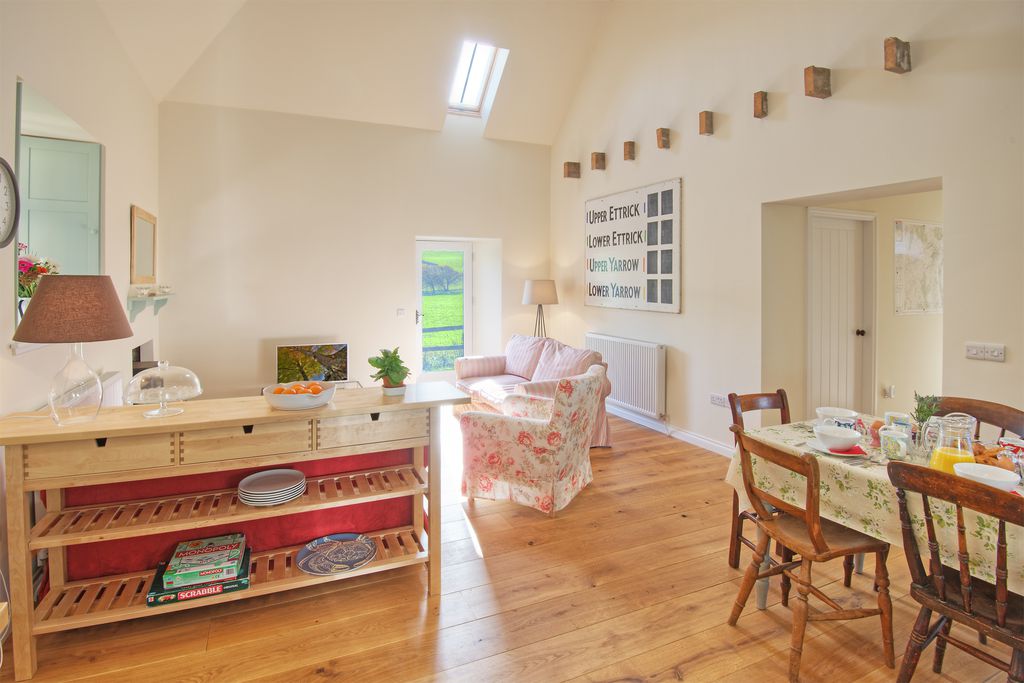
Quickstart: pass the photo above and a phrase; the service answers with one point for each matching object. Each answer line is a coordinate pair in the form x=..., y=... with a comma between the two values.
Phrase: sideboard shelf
x=107, y=599
x=130, y=519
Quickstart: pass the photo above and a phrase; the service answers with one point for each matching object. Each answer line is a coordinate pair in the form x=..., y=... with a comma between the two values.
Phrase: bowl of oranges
x=298, y=395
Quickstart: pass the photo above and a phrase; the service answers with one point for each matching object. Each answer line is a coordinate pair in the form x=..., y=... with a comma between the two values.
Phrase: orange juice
x=945, y=457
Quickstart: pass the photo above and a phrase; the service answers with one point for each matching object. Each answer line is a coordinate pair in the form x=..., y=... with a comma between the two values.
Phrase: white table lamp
x=540, y=292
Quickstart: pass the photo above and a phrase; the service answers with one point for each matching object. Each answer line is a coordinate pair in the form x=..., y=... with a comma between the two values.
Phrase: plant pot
x=393, y=389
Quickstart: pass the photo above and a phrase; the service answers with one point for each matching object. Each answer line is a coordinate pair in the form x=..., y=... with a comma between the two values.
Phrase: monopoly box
x=205, y=560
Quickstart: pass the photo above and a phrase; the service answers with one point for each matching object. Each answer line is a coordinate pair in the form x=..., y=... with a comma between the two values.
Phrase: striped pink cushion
x=559, y=360
x=522, y=354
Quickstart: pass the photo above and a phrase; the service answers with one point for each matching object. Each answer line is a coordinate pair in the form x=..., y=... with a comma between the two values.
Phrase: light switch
x=976, y=350
x=995, y=352
x=400, y=312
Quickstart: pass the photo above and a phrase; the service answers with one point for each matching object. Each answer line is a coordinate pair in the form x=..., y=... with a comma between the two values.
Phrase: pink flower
x=565, y=386
x=485, y=483
x=545, y=504
x=24, y=265
x=555, y=439
x=575, y=416
x=525, y=439
x=493, y=459
x=539, y=450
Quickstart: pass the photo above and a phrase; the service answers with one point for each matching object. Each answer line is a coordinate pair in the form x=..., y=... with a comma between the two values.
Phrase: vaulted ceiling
x=371, y=60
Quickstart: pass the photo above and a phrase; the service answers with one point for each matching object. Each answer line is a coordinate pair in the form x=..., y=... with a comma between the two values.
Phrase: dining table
x=855, y=491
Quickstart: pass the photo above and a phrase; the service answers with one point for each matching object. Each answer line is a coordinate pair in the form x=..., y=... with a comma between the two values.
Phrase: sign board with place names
x=633, y=250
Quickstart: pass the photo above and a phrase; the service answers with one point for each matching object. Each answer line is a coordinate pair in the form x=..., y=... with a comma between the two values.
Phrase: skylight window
x=471, y=77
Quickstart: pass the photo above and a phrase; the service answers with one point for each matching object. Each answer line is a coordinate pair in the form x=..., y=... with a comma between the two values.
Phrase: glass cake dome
x=163, y=384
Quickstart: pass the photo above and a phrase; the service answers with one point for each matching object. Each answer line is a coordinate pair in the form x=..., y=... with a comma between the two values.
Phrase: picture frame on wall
x=633, y=249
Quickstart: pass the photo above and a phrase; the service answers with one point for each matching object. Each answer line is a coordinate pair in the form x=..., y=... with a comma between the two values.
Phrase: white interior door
x=445, y=277
x=836, y=312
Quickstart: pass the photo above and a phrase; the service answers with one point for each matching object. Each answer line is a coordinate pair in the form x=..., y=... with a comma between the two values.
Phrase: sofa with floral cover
x=537, y=452
x=531, y=365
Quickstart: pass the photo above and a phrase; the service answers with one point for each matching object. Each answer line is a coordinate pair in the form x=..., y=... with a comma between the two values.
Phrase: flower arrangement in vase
x=30, y=269
x=391, y=370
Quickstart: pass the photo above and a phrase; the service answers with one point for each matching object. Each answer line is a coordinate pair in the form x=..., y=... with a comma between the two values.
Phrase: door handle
x=860, y=333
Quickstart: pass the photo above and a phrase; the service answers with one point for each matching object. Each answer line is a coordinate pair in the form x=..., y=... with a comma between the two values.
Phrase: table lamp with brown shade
x=72, y=309
x=540, y=292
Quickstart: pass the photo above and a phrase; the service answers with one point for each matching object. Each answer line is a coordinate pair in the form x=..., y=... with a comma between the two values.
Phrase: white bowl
x=837, y=438
x=826, y=412
x=298, y=401
x=990, y=475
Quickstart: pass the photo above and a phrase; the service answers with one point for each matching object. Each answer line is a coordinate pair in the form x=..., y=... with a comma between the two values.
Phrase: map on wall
x=918, y=262
x=633, y=249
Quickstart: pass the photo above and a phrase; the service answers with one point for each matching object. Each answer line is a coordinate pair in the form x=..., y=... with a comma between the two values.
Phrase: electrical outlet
x=976, y=350
x=889, y=391
x=719, y=400
x=995, y=352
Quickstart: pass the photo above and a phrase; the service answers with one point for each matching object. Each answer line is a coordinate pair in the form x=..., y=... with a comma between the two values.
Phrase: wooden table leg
x=419, y=462
x=858, y=563
x=56, y=557
x=20, y=559
x=762, y=584
x=434, y=505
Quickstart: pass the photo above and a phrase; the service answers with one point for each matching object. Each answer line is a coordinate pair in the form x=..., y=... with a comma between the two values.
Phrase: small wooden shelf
x=89, y=524
x=108, y=599
x=137, y=304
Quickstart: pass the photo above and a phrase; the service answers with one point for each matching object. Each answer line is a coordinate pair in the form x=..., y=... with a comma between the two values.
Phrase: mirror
x=60, y=176
x=143, y=247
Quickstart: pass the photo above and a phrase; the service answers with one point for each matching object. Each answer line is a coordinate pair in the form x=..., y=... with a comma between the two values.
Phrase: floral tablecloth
x=856, y=492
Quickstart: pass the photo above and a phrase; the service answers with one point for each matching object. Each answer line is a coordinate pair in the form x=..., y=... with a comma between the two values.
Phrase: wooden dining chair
x=956, y=594
x=1004, y=418
x=815, y=540
x=739, y=404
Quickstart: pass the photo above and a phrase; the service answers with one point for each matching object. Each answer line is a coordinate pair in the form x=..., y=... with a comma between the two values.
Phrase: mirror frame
x=137, y=279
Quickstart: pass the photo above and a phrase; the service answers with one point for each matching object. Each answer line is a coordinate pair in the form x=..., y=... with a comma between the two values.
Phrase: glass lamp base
x=76, y=392
x=163, y=411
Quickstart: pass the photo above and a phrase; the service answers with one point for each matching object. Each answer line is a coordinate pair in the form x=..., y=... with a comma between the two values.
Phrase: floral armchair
x=537, y=452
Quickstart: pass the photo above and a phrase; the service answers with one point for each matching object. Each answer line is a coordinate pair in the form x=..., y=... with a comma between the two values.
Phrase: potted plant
x=391, y=370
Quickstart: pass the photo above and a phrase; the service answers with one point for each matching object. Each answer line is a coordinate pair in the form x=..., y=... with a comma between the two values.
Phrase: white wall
x=958, y=115
x=65, y=51
x=908, y=347
x=282, y=228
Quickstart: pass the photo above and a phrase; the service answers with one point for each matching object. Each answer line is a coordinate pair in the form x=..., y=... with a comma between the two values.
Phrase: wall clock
x=10, y=204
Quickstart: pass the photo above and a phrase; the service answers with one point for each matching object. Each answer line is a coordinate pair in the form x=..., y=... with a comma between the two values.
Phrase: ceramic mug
x=895, y=443
x=840, y=417
x=894, y=419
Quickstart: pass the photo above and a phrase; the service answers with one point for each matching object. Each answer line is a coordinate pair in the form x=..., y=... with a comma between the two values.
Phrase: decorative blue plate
x=335, y=554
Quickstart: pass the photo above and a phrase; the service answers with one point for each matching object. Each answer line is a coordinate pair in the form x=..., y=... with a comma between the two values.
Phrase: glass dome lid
x=163, y=384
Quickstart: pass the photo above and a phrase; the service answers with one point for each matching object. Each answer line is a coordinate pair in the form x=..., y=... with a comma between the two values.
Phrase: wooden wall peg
x=897, y=56
x=707, y=123
x=597, y=161
x=818, y=82
x=760, y=104
x=664, y=138
x=629, y=150
x=571, y=169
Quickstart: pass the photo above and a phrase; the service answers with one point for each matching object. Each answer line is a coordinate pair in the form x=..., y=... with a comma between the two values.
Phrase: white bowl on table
x=828, y=412
x=298, y=401
x=990, y=475
x=837, y=438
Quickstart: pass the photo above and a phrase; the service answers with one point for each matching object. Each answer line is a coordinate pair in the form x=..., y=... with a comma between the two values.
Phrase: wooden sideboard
x=210, y=436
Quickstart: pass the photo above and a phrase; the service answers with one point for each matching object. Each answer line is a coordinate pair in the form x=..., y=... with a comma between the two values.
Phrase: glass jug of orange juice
x=955, y=442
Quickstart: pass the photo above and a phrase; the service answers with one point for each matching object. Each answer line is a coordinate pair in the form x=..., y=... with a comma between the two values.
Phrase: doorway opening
x=852, y=298
x=445, y=277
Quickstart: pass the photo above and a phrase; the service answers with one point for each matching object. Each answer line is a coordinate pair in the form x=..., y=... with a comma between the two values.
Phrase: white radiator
x=636, y=370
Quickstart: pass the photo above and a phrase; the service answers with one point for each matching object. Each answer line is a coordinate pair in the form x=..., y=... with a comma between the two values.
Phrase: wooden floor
x=629, y=583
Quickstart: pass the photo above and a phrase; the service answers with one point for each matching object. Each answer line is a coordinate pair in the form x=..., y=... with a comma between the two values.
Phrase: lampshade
x=72, y=309
x=540, y=292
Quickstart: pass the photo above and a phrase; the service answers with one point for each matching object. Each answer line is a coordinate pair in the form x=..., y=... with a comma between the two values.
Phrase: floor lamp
x=540, y=292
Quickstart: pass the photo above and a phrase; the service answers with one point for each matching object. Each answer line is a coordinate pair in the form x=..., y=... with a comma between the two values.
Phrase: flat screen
x=320, y=362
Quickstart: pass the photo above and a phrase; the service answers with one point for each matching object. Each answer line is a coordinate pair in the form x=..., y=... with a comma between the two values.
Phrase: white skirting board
x=674, y=432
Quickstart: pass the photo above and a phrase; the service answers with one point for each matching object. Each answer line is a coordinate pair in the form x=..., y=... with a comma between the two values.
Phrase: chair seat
x=792, y=532
x=983, y=600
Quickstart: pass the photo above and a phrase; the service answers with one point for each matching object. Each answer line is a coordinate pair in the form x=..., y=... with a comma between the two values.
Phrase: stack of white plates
x=271, y=487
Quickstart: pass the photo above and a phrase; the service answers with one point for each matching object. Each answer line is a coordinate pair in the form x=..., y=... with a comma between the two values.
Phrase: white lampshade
x=540, y=292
